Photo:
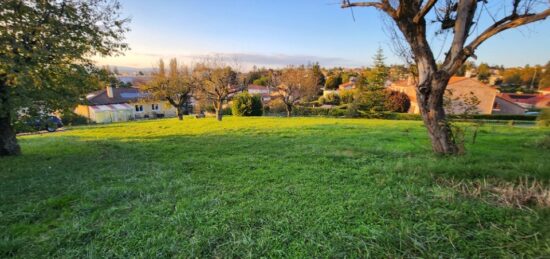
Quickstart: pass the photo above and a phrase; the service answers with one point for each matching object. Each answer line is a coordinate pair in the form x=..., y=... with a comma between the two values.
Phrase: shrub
x=543, y=120
x=347, y=96
x=332, y=99
x=397, y=102
x=245, y=104
x=333, y=82
x=73, y=119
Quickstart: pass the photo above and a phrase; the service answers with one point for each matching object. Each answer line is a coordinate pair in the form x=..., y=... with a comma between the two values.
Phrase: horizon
x=306, y=33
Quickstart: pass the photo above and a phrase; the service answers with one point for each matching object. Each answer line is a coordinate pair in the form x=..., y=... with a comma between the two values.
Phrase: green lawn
x=277, y=187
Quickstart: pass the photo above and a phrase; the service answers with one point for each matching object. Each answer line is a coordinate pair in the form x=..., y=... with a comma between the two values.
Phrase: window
x=154, y=107
x=139, y=108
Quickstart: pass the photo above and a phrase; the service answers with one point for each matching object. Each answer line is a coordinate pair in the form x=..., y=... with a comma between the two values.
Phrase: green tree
x=483, y=72
x=379, y=73
x=244, y=104
x=545, y=76
x=45, y=48
x=318, y=73
x=333, y=82
x=263, y=81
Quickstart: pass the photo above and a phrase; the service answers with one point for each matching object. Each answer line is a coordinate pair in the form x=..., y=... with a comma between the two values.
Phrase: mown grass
x=274, y=187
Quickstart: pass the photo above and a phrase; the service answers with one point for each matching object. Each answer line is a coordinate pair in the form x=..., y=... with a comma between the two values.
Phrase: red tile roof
x=522, y=98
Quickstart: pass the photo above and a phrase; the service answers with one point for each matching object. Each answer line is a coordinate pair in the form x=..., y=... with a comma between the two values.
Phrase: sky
x=269, y=33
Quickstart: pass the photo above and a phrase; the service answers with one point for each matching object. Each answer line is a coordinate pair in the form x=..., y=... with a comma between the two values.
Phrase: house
x=260, y=90
x=527, y=101
x=462, y=91
x=503, y=105
x=545, y=91
x=350, y=85
x=122, y=104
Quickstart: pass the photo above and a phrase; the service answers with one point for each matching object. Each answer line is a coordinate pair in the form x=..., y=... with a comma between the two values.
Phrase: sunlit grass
x=251, y=187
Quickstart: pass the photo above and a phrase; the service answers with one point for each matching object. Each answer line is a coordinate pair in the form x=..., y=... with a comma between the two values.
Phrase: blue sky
x=278, y=33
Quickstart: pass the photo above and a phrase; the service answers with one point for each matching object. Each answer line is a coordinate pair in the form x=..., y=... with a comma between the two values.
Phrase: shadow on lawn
x=363, y=191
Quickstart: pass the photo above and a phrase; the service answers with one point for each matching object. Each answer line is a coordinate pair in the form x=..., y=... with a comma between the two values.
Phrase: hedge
x=347, y=111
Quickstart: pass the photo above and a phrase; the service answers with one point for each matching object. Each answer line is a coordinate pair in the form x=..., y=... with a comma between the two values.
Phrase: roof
x=504, y=98
x=522, y=98
x=344, y=85
x=258, y=87
x=120, y=95
x=111, y=107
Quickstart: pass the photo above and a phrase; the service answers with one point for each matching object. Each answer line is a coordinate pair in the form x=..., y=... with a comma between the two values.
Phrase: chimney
x=110, y=91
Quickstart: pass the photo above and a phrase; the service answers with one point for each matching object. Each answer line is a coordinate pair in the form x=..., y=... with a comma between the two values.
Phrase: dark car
x=49, y=123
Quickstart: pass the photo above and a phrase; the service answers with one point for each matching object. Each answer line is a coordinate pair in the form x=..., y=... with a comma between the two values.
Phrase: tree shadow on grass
x=286, y=193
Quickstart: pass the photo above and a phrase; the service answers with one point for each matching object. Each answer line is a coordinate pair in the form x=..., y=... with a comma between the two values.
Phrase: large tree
x=176, y=86
x=216, y=84
x=45, y=48
x=295, y=84
x=460, y=19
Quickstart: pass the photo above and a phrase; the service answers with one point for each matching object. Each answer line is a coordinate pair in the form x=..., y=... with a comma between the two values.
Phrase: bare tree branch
x=429, y=5
x=505, y=23
x=384, y=5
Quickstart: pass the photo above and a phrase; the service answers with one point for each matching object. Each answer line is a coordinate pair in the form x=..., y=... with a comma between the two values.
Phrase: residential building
x=503, y=105
x=260, y=90
x=122, y=104
x=461, y=91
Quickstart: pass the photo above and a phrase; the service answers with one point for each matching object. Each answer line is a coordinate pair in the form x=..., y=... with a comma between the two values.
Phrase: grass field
x=277, y=187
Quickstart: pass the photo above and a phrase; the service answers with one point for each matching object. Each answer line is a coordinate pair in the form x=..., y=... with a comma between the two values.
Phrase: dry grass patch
x=522, y=194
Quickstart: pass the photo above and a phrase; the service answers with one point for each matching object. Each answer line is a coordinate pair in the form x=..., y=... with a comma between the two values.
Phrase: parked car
x=49, y=123
x=532, y=113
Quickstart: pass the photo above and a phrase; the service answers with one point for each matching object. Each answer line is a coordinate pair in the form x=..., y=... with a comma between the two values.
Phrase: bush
x=332, y=99
x=543, y=120
x=397, y=102
x=333, y=82
x=73, y=119
x=245, y=104
x=347, y=96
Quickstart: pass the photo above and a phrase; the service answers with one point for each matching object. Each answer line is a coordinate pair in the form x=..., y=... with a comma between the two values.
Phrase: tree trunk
x=180, y=113
x=219, y=111
x=289, y=110
x=435, y=120
x=8, y=142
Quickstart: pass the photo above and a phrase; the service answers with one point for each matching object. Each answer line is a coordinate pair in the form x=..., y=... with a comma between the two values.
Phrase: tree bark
x=219, y=111
x=180, y=113
x=289, y=110
x=8, y=141
x=435, y=120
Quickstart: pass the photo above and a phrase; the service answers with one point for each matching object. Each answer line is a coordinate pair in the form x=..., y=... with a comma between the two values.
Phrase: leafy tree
x=379, y=74
x=318, y=73
x=44, y=55
x=545, y=76
x=174, y=86
x=263, y=81
x=244, y=104
x=483, y=72
x=456, y=18
x=333, y=82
